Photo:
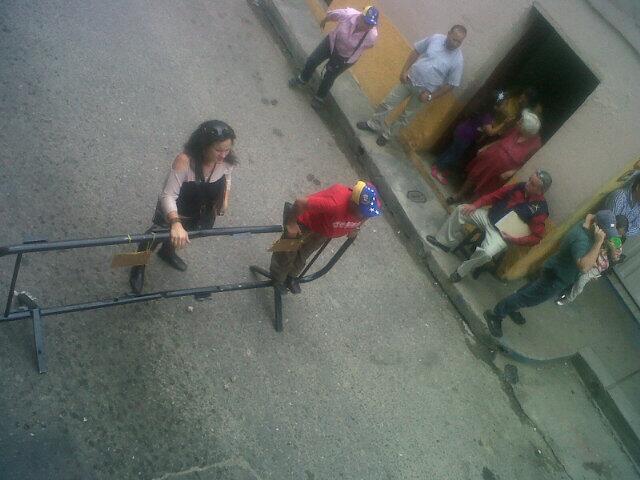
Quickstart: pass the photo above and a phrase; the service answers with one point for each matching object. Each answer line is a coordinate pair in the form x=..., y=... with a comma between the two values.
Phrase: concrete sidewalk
x=597, y=332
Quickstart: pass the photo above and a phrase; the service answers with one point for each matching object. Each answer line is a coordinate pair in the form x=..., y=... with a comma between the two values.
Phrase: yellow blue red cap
x=365, y=195
x=370, y=15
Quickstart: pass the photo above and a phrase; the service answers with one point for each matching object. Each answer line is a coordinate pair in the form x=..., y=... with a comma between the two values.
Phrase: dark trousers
x=291, y=264
x=450, y=158
x=533, y=293
x=334, y=67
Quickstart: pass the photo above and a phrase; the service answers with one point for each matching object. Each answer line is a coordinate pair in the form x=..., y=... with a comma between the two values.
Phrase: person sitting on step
x=525, y=199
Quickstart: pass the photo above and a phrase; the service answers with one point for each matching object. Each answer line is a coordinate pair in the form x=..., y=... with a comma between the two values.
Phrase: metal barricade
x=29, y=308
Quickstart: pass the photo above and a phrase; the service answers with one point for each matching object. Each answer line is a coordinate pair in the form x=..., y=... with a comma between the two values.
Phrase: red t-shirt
x=328, y=213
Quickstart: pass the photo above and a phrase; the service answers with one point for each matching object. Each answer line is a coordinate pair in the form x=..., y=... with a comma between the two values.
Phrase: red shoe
x=439, y=176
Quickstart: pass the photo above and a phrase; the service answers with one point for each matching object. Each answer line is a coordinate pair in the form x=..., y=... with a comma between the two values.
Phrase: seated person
x=510, y=109
x=497, y=162
x=610, y=253
x=466, y=133
x=526, y=199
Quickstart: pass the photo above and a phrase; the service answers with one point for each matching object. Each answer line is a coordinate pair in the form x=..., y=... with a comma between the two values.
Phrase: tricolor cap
x=370, y=15
x=365, y=195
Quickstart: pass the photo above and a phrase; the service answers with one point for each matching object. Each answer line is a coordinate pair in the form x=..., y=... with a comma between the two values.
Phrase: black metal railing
x=28, y=307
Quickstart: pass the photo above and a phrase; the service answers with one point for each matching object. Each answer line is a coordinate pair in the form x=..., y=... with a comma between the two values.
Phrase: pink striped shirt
x=344, y=38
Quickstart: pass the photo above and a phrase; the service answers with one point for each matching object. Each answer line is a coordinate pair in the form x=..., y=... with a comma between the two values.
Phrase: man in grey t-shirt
x=433, y=68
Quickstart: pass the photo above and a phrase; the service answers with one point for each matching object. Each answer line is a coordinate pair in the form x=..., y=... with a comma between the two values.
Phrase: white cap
x=530, y=123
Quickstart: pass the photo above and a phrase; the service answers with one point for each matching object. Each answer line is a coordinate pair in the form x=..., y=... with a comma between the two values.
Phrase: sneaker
x=293, y=285
x=365, y=126
x=169, y=256
x=136, y=279
x=296, y=82
x=317, y=103
x=439, y=176
x=562, y=300
x=517, y=318
x=432, y=242
x=381, y=141
x=494, y=323
x=455, y=277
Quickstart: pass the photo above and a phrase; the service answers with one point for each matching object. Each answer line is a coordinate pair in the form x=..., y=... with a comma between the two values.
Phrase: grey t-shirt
x=436, y=64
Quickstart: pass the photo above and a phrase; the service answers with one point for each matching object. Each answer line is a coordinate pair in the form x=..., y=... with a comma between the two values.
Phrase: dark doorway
x=543, y=60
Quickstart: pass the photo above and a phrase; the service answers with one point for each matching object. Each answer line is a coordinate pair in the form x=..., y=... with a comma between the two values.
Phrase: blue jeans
x=448, y=160
x=533, y=293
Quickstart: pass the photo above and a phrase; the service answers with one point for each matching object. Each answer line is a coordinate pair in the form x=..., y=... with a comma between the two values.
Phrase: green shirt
x=575, y=245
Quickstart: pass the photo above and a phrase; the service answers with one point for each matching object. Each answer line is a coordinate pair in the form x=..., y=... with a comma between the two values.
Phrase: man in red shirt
x=334, y=212
x=526, y=200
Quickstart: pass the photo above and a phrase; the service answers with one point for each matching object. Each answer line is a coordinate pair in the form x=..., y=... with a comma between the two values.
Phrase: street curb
x=615, y=405
x=381, y=167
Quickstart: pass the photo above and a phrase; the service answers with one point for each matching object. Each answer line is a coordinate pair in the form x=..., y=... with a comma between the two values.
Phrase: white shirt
x=436, y=64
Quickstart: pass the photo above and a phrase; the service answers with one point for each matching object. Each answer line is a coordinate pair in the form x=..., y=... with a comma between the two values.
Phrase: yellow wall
x=378, y=69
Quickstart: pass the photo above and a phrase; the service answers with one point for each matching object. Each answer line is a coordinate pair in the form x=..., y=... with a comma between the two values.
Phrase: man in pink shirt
x=356, y=31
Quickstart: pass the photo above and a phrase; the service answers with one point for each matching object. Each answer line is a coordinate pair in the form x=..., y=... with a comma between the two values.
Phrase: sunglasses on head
x=220, y=131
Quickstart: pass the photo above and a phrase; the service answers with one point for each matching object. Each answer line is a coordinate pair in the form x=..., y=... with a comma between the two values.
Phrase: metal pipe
x=330, y=263
x=315, y=257
x=122, y=239
x=12, y=287
x=80, y=307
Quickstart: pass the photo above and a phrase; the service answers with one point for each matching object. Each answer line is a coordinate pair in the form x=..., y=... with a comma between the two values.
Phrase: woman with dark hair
x=195, y=191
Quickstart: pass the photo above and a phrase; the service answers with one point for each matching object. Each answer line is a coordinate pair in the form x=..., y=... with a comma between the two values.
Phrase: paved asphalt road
x=374, y=376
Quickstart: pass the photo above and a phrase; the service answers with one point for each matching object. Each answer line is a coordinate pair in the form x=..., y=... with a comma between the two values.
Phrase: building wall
x=602, y=137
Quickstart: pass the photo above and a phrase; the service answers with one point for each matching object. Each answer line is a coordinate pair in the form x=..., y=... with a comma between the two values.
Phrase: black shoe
x=517, y=318
x=169, y=255
x=365, y=126
x=431, y=240
x=293, y=286
x=296, y=82
x=317, y=103
x=494, y=323
x=455, y=277
x=136, y=279
x=381, y=141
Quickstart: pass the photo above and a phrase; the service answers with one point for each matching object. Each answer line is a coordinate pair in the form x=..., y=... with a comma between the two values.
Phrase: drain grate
x=416, y=196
